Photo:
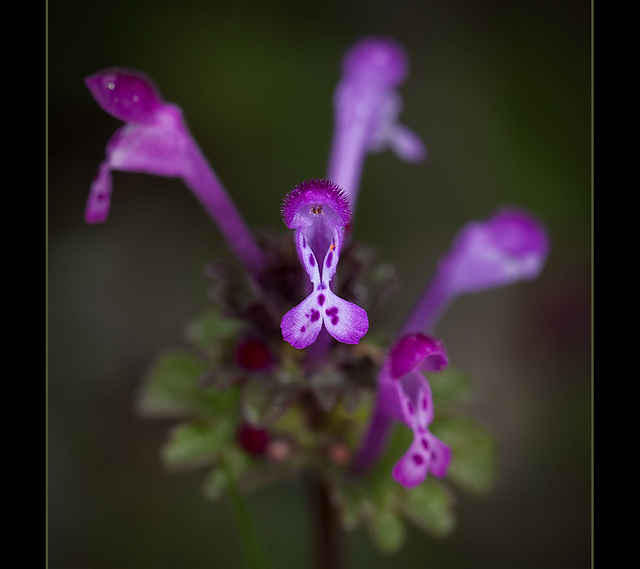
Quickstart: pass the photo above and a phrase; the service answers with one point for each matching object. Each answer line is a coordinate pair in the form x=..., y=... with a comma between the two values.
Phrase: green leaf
x=263, y=402
x=192, y=445
x=208, y=331
x=429, y=506
x=236, y=463
x=448, y=387
x=386, y=529
x=173, y=388
x=349, y=513
x=215, y=484
x=473, y=448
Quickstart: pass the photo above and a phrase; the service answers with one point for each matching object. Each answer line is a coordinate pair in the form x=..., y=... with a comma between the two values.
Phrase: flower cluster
x=252, y=391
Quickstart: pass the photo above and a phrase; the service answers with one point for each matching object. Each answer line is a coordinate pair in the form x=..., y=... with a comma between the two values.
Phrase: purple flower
x=367, y=106
x=319, y=211
x=510, y=247
x=404, y=395
x=155, y=140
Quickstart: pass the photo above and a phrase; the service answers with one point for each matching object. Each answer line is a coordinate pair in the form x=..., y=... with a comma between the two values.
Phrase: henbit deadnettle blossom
x=405, y=396
x=155, y=140
x=367, y=106
x=319, y=211
x=510, y=247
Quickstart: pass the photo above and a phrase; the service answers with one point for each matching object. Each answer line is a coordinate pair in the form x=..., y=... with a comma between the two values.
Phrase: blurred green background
x=501, y=93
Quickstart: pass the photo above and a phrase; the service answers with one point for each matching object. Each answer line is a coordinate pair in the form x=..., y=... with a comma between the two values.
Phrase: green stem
x=253, y=547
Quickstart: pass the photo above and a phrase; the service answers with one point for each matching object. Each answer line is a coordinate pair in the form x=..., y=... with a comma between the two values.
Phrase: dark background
x=501, y=93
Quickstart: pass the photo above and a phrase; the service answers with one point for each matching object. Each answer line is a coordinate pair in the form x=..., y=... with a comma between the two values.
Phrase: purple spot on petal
x=424, y=403
x=333, y=314
x=425, y=443
x=303, y=329
x=312, y=261
x=315, y=315
x=329, y=258
x=321, y=299
x=418, y=459
x=304, y=243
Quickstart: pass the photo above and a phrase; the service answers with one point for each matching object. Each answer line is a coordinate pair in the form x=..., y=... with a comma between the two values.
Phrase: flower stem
x=253, y=546
x=328, y=536
x=327, y=530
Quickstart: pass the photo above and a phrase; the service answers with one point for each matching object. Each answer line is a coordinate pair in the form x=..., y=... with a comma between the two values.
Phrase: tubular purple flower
x=155, y=140
x=319, y=211
x=511, y=246
x=366, y=106
x=404, y=395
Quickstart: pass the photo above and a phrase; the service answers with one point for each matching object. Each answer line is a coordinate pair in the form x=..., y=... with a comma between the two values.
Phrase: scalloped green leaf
x=349, y=513
x=449, y=387
x=236, y=464
x=473, y=448
x=210, y=329
x=215, y=484
x=172, y=388
x=196, y=444
x=386, y=529
x=430, y=507
x=375, y=489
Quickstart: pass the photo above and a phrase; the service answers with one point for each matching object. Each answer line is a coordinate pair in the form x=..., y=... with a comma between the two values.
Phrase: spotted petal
x=345, y=321
x=426, y=453
x=301, y=325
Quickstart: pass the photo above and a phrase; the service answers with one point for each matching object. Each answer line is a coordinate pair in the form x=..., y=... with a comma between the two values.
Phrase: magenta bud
x=125, y=94
x=252, y=439
x=253, y=355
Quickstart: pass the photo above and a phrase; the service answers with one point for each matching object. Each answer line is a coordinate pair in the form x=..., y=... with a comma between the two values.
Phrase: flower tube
x=155, y=140
x=367, y=106
x=509, y=247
